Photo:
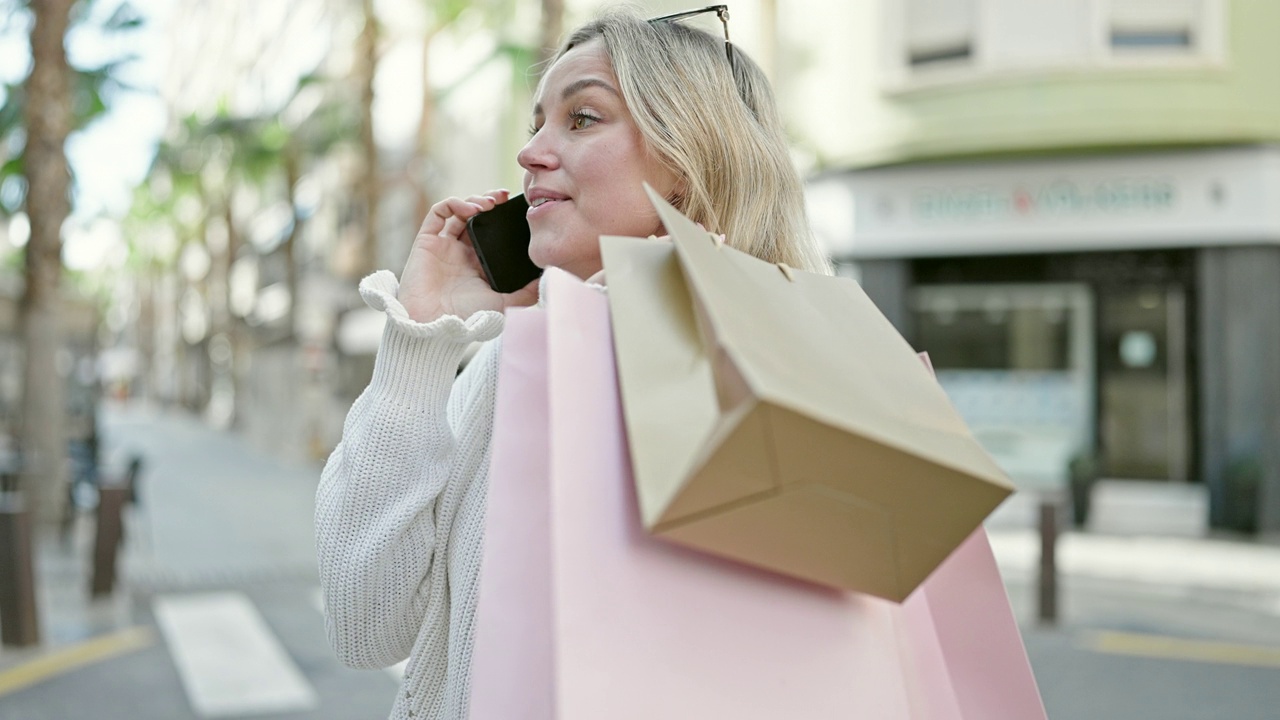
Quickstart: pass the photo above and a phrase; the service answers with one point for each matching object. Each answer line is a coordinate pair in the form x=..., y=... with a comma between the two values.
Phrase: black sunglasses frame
x=722, y=13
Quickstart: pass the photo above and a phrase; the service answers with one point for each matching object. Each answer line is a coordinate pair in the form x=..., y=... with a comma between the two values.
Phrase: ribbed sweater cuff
x=416, y=361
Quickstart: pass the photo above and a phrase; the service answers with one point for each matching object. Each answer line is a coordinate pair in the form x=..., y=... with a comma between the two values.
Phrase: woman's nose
x=537, y=154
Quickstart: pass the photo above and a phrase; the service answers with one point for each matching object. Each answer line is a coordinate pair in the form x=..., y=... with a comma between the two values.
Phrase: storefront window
x=1016, y=361
x=996, y=337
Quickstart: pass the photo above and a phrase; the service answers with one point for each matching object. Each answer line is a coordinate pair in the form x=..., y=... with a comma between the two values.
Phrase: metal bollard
x=111, y=499
x=18, y=624
x=1048, y=586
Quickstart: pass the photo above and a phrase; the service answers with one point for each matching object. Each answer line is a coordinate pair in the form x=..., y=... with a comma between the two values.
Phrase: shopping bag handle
x=785, y=268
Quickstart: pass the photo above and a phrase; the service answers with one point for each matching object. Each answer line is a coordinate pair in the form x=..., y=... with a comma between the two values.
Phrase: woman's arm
x=377, y=502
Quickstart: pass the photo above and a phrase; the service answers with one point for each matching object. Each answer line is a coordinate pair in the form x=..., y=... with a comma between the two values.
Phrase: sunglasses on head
x=721, y=11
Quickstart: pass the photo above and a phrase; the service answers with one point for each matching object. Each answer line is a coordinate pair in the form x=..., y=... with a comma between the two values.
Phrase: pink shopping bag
x=966, y=660
x=582, y=615
x=512, y=659
x=957, y=629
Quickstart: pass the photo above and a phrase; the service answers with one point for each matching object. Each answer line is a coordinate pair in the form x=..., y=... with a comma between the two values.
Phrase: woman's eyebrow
x=578, y=86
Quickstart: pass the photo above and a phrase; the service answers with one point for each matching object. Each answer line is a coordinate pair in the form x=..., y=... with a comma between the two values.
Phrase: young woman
x=400, y=508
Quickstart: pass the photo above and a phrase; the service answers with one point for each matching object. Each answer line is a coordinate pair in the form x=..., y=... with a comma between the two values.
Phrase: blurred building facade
x=1067, y=202
x=1074, y=206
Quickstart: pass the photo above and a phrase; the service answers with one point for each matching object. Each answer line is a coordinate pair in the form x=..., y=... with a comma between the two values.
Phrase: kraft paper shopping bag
x=777, y=418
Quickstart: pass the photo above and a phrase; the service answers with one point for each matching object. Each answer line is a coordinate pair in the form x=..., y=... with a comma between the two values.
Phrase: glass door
x=1142, y=382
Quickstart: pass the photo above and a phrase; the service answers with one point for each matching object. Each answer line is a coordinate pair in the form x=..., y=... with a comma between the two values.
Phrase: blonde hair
x=716, y=127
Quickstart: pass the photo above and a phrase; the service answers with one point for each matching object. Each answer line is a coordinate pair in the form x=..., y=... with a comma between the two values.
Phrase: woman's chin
x=581, y=265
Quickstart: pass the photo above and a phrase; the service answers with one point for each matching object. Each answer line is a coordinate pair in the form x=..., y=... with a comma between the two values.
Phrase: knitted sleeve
x=403, y=443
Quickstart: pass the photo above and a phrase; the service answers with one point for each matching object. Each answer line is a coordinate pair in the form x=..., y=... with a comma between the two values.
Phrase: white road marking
x=229, y=660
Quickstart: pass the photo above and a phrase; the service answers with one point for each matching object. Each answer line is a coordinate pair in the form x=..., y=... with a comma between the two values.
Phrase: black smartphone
x=501, y=239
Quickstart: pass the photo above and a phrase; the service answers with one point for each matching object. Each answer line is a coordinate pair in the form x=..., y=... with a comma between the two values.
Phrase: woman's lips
x=537, y=211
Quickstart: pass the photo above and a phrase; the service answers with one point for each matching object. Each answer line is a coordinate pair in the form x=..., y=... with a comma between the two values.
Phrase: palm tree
x=35, y=120
x=366, y=71
x=259, y=158
x=48, y=122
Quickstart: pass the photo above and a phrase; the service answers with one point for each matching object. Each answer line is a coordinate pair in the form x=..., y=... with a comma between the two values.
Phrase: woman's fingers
x=448, y=218
x=484, y=202
x=442, y=276
x=454, y=209
x=525, y=296
x=450, y=207
x=492, y=197
x=454, y=226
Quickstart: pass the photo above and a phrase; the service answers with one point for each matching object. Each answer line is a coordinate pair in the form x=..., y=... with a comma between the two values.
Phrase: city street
x=221, y=522
x=217, y=613
x=220, y=220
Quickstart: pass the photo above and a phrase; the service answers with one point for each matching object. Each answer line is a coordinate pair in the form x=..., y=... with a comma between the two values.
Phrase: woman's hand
x=443, y=276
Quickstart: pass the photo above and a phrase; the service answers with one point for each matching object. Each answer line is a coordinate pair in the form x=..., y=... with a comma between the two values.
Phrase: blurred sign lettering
x=1060, y=197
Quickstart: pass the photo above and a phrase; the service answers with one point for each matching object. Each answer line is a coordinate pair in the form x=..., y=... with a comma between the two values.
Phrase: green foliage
x=123, y=18
x=91, y=86
x=90, y=89
x=207, y=159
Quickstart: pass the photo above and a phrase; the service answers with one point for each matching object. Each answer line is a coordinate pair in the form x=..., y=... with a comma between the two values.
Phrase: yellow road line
x=76, y=656
x=1169, y=648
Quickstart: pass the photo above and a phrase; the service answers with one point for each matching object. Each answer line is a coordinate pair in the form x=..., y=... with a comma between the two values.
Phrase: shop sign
x=1106, y=202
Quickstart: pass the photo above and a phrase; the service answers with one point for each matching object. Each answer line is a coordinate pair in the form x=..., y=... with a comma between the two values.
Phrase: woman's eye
x=533, y=130
x=582, y=121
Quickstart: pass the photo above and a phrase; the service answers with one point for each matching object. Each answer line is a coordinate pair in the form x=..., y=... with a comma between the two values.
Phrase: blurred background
x=1072, y=205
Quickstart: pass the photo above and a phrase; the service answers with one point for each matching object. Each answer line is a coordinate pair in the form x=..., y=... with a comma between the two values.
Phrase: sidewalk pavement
x=214, y=510
x=1208, y=564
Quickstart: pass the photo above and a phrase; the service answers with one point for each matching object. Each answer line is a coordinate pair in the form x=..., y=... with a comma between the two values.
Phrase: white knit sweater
x=400, y=507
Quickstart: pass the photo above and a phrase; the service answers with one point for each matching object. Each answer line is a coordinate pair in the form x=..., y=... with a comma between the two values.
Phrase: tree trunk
x=217, y=289
x=367, y=64
x=292, y=172
x=48, y=118
x=419, y=166
x=549, y=33
x=145, y=281
x=235, y=325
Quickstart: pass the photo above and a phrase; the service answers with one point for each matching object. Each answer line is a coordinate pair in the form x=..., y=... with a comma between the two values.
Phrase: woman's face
x=585, y=165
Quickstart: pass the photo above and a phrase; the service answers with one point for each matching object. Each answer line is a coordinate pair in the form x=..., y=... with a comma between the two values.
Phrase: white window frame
x=957, y=61
x=898, y=76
